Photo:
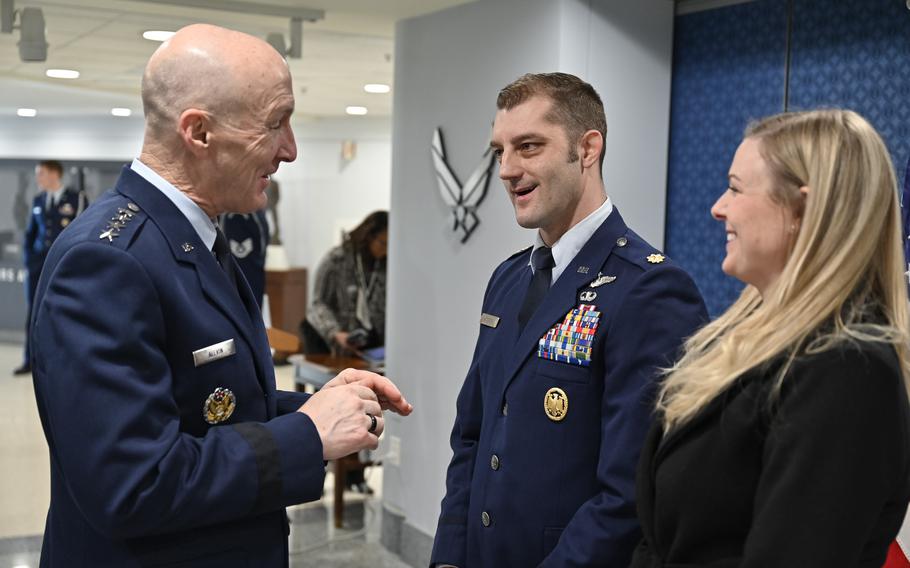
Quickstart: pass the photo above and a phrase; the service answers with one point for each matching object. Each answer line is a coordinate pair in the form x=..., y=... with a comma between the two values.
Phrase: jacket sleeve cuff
x=288, y=454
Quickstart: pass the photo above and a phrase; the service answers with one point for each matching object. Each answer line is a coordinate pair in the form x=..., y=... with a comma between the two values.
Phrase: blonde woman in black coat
x=783, y=437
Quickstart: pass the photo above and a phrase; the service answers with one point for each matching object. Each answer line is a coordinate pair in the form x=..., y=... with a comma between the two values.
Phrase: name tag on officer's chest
x=213, y=352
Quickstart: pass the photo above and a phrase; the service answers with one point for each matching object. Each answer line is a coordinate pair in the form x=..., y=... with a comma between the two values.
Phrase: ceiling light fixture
x=62, y=73
x=157, y=35
x=27, y=112
x=119, y=111
x=379, y=88
x=356, y=110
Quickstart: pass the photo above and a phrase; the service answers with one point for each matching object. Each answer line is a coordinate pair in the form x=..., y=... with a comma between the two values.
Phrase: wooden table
x=317, y=370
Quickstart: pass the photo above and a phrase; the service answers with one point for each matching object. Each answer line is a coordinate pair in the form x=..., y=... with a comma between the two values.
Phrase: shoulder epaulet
x=120, y=226
x=521, y=252
x=634, y=249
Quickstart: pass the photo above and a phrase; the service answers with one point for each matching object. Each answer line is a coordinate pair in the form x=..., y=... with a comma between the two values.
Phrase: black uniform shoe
x=23, y=369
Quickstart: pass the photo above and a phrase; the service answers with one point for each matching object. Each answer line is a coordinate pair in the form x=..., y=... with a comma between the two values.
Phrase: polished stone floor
x=25, y=493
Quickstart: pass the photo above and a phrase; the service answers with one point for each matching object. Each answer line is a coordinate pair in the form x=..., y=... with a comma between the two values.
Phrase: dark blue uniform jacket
x=138, y=477
x=46, y=223
x=525, y=490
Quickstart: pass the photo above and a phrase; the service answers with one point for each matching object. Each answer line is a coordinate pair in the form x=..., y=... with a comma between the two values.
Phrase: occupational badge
x=556, y=404
x=656, y=258
x=601, y=280
x=219, y=406
x=587, y=296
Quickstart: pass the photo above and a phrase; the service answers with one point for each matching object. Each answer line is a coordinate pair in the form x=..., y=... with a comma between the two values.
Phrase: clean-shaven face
x=759, y=230
x=545, y=187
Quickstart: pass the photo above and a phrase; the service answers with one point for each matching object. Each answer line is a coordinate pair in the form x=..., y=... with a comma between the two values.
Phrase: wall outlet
x=393, y=456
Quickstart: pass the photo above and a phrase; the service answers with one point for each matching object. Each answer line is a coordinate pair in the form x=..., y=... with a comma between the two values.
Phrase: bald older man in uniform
x=169, y=443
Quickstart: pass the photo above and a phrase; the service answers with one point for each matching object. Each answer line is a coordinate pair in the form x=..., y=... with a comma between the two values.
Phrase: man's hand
x=388, y=395
x=341, y=415
x=341, y=411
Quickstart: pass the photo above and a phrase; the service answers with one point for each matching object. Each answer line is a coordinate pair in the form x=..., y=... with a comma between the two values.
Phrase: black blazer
x=819, y=478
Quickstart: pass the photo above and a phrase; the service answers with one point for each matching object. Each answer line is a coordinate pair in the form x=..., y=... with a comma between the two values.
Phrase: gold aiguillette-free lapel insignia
x=601, y=280
x=219, y=406
x=656, y=258
x=556, y=404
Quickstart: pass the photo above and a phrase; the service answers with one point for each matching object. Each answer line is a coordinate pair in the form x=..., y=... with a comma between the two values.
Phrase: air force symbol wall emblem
x=463, y=199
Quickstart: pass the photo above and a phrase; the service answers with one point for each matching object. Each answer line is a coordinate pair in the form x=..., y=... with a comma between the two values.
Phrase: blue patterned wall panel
x=855, y=54
x=728, y=68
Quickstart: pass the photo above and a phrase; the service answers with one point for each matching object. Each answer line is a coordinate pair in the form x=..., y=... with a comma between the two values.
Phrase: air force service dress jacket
x=169, y=443
x=821, y=477
x=545, y=449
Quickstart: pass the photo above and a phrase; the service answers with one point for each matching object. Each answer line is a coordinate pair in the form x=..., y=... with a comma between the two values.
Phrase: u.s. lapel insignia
x=187, y=247
x=601, y=280
x=656, y=258
x=556, y=404
x=587, y=296
x=219, y=406
x=583, y=269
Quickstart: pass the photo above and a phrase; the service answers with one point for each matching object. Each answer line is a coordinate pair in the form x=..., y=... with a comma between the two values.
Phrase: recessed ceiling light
x=358, y=110
x=377, y=88
x=121, y=111
x=62, y=73
x=157, y=35
x=26, y=112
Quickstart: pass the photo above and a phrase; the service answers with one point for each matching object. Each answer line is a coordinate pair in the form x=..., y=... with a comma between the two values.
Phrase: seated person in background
x=782, y=433
x=348, y=310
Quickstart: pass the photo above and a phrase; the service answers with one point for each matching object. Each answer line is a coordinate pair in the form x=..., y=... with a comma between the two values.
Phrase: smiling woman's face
x=759, y=230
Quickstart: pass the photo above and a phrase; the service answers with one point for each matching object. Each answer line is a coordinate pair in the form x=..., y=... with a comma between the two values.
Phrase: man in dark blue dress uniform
x=52, y=210
x=169, y=443
x=573, y=331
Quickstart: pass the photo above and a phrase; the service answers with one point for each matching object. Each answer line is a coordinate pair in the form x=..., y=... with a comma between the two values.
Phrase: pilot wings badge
x=463, y=199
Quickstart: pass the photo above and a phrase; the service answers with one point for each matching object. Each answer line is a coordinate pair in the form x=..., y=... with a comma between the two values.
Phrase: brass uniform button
x=485, y=519
x=494, y=462
x=622, y=241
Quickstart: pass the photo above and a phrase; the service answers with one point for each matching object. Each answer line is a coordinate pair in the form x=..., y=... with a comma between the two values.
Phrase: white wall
x=320, y=193
x=449, y=68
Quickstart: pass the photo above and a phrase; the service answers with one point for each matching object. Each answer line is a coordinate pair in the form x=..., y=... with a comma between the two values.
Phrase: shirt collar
x=565, y=249
x=204, y=226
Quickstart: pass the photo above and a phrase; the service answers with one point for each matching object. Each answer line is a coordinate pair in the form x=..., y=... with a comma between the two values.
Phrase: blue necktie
x=223, y=254
x=542, y=261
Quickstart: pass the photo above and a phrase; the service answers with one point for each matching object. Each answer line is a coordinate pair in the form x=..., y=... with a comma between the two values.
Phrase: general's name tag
x=213, y=352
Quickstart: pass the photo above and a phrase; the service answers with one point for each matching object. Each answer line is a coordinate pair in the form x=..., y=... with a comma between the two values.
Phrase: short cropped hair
x=575, y=104
x=52, y=166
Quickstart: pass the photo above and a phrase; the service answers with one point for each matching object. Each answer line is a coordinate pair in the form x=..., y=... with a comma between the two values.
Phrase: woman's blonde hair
x=844, y=277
